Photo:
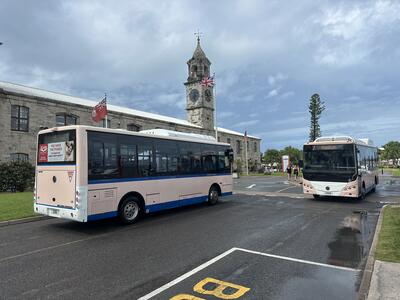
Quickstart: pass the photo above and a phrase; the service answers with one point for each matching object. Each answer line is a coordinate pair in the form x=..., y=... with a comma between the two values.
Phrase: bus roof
x=342, y=140
x=156, y=133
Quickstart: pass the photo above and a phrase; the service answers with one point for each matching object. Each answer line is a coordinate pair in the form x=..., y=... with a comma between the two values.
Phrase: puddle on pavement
x=350, y=244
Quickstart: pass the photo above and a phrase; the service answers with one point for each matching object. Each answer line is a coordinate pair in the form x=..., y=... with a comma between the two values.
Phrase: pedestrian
x=296, y=172
x=289, y=171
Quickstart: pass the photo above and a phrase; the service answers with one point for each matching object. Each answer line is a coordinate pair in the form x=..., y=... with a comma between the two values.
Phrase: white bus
x=340, y=166
x=86, y=173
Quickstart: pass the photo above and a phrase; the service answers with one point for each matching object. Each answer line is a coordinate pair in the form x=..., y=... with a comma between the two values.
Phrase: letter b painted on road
x=185, y=297
x=220, y=290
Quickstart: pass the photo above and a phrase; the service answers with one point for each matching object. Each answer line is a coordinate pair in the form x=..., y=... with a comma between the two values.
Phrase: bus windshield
x=329, y=157
x=57, y=147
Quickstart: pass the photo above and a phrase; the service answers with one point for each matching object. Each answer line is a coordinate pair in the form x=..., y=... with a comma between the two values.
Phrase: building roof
x=35, y=92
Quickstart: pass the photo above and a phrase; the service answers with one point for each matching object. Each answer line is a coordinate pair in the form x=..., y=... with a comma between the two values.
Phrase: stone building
x=25, y=110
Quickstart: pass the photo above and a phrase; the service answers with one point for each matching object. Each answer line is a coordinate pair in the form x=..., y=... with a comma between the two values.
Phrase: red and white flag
x=207, y=81
x=100, y=110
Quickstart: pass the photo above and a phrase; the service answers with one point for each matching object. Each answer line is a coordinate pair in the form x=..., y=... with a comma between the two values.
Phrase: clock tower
x=199, y=98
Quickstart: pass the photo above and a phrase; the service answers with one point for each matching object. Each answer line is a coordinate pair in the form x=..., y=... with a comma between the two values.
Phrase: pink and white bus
x=340, y=166
x=86, y=173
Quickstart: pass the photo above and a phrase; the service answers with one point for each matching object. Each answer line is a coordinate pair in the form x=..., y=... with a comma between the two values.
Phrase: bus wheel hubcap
x=214, y=195
x=131, y=210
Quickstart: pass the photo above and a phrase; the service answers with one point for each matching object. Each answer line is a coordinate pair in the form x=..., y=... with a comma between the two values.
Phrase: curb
x=369, y=266
x=24, y=220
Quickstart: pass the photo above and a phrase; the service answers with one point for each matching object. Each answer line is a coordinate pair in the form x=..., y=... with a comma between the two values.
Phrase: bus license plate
x=52, y=211
x=328, y=193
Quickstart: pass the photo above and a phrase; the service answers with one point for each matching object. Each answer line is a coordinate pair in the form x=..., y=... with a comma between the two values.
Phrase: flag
x=207, y=81
x=100, y=110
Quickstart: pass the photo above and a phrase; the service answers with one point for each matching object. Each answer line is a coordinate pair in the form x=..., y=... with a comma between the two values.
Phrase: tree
x=294, y=154
x=271, y=156
x=392, y=151
x=315, y=108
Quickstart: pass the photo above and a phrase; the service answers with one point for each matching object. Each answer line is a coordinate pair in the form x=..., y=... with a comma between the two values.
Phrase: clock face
x=208, y=95
x=194, y=95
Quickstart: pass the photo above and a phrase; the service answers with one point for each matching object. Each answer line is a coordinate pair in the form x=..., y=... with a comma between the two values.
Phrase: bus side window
x=166, y=157
x=145, y=159
x=103, y=156
x=195, y=158
x=184, y=158
x=128, y=160
x=209, y=159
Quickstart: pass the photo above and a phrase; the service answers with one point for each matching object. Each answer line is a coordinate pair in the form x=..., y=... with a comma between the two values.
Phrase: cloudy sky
x=269, y=58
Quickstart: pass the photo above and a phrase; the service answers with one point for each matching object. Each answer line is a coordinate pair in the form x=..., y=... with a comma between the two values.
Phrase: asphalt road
x=271, y=184
x=263, y=247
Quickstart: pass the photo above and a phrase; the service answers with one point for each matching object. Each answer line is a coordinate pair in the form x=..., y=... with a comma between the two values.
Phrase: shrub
x=16, y=176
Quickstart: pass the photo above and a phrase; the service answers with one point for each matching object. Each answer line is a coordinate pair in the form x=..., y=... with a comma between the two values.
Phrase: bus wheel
x=129, y=210
x=363, y=193
x=213, y=195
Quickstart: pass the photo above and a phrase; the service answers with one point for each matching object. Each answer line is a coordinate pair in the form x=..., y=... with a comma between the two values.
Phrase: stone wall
x=42, y=113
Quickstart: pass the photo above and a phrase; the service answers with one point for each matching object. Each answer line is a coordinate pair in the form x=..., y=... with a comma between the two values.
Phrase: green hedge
x=16, y=176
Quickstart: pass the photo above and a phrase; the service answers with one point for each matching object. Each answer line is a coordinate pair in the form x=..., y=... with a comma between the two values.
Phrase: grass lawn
x=16, y=205
x=393, y=171
x=388, y=248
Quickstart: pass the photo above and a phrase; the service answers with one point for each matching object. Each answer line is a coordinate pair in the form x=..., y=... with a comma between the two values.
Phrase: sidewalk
x=382, y=277
x=385, y=282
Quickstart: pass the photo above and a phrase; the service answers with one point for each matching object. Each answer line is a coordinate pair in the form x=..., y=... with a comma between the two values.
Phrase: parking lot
x=269, y=245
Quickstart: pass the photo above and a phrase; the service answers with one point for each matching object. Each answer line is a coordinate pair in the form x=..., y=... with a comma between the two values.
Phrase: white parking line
x=251, y=186
x=287, y=188
x=298, y=260
x=186, y=275
x=222, y=255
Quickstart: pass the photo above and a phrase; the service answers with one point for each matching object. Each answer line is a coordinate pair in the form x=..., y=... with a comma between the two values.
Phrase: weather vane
x=198, y=34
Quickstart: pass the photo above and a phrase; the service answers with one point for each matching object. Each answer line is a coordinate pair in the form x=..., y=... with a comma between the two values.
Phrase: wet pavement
x=269, y=184
x=260, y=276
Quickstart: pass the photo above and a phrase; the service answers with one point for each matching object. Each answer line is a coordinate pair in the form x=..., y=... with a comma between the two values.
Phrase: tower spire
x=198, y=34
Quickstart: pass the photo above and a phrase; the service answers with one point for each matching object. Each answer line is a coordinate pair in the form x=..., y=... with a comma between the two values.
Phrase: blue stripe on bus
x=176, y=203
x=106, y=215
x=100, y=181
x=158, y=207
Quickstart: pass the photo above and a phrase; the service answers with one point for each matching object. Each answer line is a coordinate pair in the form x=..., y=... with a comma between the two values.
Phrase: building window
x=104, y=123
x=19, y=118
x=238, y=146
x=133, y=127
x=219, y=139
x=19, y=157
x=228, y=140
x=255, y=146
x=63, y=119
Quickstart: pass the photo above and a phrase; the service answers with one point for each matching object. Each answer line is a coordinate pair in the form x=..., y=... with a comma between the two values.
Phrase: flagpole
x=245, y=153
x=105, y=97
x=215, y=109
